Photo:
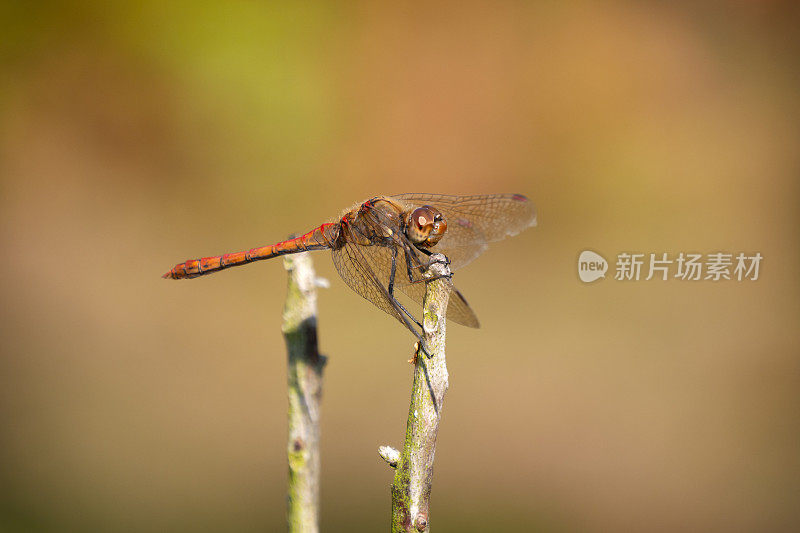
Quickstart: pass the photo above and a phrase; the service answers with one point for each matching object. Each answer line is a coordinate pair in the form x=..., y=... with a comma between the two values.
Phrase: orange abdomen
x=316, y=239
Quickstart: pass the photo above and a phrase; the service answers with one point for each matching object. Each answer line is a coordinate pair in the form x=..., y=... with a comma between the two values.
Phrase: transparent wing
x=354, y=268
x=475, y=221
x=367, y=269
x=409, y=266
x=458, y=310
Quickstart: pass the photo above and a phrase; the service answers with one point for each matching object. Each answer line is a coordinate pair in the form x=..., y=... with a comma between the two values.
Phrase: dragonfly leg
x=422, y=345
x=393, y=271
x=417, y=322
x=429, y=254
x=391, y=288
x=409, y=267
x=425, y=350
x=433, y=278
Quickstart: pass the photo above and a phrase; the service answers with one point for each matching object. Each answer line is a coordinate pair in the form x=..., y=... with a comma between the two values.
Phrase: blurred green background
x=136, y=135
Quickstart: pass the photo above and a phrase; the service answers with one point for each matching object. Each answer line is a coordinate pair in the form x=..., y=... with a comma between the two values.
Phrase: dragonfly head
x=425, y=226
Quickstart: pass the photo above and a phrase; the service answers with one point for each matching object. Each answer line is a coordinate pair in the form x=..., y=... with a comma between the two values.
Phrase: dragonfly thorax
x=425, y=226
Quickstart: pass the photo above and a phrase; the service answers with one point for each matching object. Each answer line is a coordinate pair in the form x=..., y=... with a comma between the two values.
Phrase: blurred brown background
x=137, y=135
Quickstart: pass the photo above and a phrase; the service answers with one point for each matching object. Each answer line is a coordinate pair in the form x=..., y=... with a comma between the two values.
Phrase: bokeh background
x=136, y=135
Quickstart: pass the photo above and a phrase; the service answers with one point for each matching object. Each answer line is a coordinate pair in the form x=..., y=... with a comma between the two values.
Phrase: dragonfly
x=384, y=245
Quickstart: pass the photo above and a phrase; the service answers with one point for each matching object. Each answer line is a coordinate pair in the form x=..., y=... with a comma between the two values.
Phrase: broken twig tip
x=422, y=522
x=413, y=360
x=390, y=455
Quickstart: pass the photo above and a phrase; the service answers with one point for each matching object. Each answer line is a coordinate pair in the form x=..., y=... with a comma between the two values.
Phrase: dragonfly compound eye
x=420, y=224
x=426, y=226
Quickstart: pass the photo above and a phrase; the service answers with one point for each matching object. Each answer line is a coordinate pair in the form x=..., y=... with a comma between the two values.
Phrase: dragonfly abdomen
x=316, y=239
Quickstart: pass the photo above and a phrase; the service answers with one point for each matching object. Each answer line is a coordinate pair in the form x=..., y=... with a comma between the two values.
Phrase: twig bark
x=305, y=366
x=411, y=488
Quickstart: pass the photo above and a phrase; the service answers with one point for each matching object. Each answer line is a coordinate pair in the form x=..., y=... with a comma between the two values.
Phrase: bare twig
x=305, y=366
x=411, y=488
